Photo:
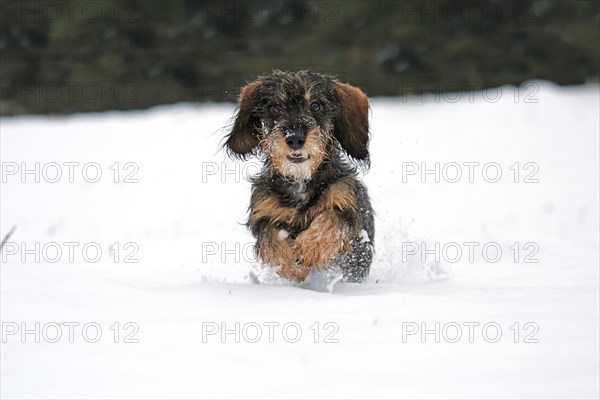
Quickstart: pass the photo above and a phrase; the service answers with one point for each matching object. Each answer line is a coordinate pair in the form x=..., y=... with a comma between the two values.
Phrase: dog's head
x=298, y=120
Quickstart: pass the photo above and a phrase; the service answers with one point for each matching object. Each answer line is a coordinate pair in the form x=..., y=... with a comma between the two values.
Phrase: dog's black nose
x=295, y=139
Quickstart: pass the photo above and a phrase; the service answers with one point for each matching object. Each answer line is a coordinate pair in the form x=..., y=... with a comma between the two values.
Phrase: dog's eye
x=315, y=106
x=276, y=109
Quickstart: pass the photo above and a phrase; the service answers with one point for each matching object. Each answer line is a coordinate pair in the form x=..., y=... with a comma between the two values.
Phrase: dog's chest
x=301, y=198
x=299, y=193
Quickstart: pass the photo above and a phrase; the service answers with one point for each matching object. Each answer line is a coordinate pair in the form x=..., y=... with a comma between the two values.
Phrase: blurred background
x=61, y=57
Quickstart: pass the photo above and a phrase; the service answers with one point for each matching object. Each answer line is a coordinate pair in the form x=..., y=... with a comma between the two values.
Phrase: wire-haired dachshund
x=308, y=209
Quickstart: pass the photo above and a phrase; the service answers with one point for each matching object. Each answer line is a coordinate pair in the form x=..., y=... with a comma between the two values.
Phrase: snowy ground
x=181, y=221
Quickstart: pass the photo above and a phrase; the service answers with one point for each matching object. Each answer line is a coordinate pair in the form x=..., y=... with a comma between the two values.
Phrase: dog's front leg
x=275, y=248
x=327, y=237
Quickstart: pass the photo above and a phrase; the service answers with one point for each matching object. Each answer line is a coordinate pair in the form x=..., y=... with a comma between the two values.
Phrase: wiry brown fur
x=311, y=213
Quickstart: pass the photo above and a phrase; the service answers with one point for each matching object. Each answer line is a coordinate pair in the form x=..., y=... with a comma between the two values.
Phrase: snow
x=364, y=236
x=196, y=299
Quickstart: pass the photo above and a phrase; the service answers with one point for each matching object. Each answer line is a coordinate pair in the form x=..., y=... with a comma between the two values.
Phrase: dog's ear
x=351, y=127
x=243, y=138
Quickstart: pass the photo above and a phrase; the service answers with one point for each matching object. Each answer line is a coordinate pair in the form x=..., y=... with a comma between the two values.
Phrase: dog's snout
x=295, y=139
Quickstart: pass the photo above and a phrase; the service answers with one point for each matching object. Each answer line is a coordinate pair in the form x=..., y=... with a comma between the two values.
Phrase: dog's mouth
x=297, y=158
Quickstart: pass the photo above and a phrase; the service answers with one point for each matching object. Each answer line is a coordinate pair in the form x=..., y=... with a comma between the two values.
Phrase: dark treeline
x=71, y=56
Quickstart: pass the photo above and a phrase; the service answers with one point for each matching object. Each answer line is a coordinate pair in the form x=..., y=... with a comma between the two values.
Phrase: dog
x=307, y=209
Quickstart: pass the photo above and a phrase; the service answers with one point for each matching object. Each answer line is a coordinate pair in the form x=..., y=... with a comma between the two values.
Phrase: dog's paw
x=294, y=272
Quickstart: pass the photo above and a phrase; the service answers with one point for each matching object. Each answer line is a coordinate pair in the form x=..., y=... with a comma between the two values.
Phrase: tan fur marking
x=322, y=241
x=296, y=272
x=315, y=144
x=274, y=252
x=308, y=92
x=352, y=128
x=270, y=208
x=338, y=195
x=274, y=145
x=243, y=136
x=356, y=102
